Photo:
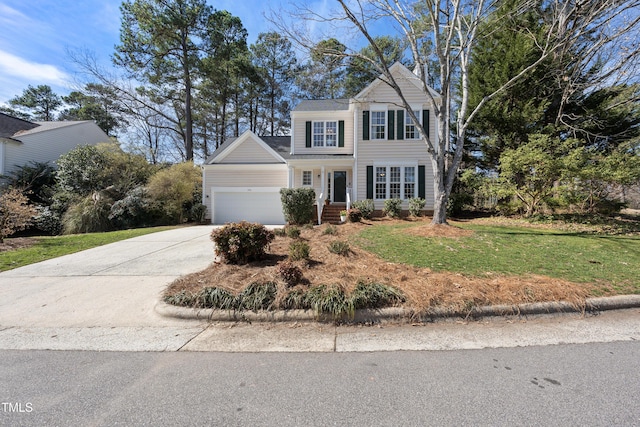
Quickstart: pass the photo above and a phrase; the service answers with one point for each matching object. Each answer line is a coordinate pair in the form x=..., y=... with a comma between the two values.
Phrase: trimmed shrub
x=290, y=273
x=354, y=215
x=242, y=242
x=297, y=204
x=416, y=205
x=366, y=207
x=392, y=208
x=299, y=250
x=339, y=247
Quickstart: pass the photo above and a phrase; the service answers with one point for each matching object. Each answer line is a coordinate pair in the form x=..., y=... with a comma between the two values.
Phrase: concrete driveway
x=112, y=288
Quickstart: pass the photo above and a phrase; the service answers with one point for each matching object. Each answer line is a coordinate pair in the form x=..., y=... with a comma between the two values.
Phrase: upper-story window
x=410, y=128
x=325, y=134
x=378, y=125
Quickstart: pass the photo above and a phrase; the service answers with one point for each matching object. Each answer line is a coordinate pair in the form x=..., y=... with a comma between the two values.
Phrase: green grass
x=53, y=247
x=609, y=261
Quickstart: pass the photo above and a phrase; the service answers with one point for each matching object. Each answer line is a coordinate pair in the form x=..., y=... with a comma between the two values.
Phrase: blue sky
x=36, y=34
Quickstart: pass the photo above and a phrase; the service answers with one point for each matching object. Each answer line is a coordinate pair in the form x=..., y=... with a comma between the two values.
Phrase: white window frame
x=310, y=172
x=383, y=111
x=387, y=174
x=324, y=133
x=409, y=123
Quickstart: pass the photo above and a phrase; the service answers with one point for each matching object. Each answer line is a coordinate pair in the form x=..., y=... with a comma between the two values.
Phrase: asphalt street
x=585, y=384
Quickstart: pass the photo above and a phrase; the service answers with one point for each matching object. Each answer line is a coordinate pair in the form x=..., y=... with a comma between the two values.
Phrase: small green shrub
x=375, y=295
x=354, y=215
x=416, y=205
x=299, y=250
x=366, y=207
x=392, y=208
x=290, y=273
x=242, y=242
x=330, y=300
x=280, y=232
x=330, y=230
x=339, y=247
x=292, y=232
x=258, y=296
x=297, y=204
x=212, y=297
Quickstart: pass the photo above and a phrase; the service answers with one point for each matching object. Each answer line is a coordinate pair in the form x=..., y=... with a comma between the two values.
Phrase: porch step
x=331, y=213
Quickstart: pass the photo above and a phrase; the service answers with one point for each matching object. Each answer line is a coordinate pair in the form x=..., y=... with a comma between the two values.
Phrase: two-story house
x=365, y=147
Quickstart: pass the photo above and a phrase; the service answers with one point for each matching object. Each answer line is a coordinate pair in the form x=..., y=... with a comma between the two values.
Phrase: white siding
x=48, y=145
x=394, y=151
x=249, y=151
x=299, y=131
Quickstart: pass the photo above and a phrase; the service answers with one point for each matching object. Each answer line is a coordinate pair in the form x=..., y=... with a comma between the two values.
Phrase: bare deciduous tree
x=442, y=35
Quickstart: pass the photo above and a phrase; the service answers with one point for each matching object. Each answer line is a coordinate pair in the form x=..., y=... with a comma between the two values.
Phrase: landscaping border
x=618, y=302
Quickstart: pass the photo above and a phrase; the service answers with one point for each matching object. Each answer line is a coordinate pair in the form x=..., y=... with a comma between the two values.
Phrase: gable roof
x=47, y=126
x=277, y=146
x=397, y=70
x=10, y=125
x=323, y=105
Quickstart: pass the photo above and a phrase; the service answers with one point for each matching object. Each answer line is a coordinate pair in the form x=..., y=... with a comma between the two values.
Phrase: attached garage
x=254, y=204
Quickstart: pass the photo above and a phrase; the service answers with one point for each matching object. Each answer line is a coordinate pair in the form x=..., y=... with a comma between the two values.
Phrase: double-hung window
x=378, y=125
x=325, y=134
x=395, y=182
x=410, y=128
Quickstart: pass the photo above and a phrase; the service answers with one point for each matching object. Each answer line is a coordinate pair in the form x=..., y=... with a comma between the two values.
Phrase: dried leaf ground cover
x=447, y=267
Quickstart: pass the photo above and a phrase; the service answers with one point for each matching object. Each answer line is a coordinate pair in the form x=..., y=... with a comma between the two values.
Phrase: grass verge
x=45, y=248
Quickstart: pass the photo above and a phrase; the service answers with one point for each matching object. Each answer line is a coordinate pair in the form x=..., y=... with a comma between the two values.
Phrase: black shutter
x=425, y=121
x=391, y=125
x=400, y=124
x=308, y=135
x=421, y=182
x=341, y=133
x=370, y=182
x=365, y=125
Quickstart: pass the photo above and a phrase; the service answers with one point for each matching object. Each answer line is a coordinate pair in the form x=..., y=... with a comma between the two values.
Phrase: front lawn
x=459, y=267
x=610, y=262
x=36, y=249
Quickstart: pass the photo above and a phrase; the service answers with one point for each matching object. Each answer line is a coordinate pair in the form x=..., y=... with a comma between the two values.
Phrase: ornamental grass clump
x=242, y=242
x=375, y=295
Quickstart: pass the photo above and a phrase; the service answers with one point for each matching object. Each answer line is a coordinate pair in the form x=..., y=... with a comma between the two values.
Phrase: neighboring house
x=345, y=149
x=22, y=142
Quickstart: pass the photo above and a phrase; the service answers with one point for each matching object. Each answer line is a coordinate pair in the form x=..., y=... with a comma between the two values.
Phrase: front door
x=339, y=186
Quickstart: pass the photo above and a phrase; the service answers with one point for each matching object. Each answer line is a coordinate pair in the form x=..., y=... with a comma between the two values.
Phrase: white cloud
x=27, y=70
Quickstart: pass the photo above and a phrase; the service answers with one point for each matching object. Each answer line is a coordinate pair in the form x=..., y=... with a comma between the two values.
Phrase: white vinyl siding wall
x=249, y=152
x=299, y=120
x=47, y=146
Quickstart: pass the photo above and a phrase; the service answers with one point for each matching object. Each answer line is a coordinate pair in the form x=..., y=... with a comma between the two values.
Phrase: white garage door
x=253, y=205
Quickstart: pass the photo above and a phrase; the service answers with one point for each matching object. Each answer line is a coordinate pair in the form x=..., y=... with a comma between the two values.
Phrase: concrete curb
x=387, y=314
